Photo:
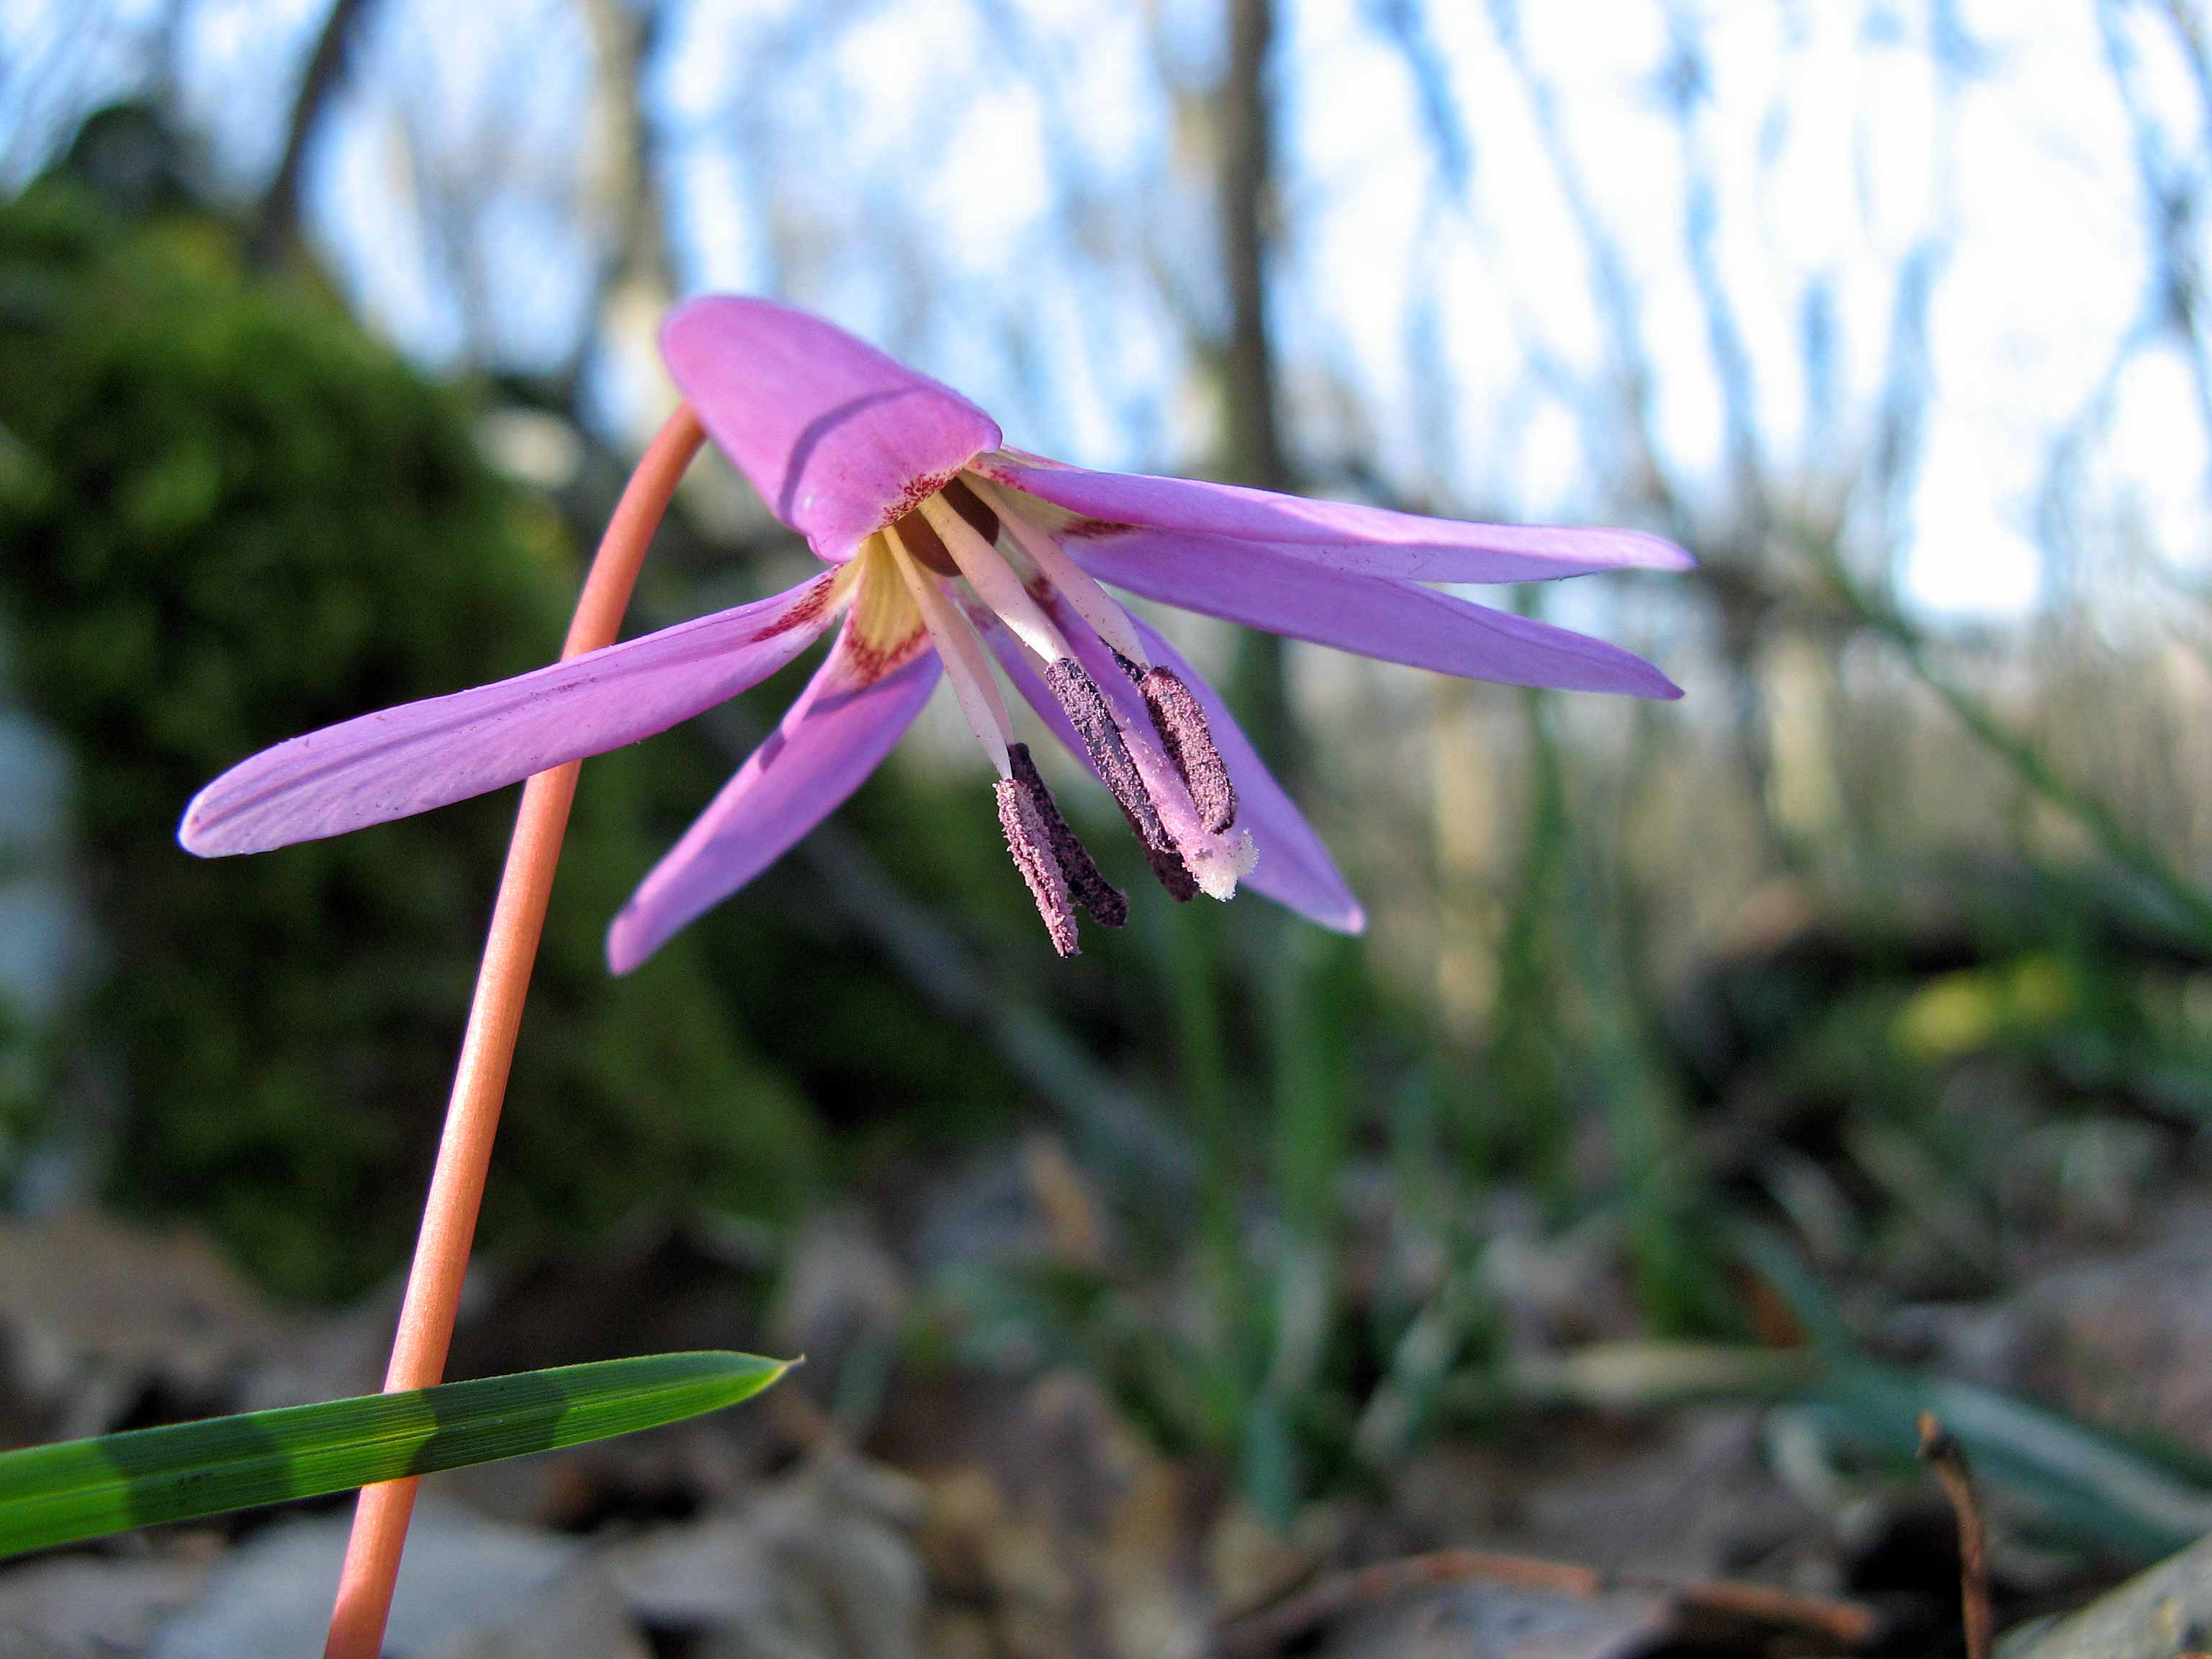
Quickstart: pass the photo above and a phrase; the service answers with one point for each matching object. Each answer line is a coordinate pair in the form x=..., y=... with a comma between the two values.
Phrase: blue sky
x=914, y=161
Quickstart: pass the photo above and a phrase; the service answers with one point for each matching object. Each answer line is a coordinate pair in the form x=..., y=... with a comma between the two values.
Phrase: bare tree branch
x=635, y=282
x=2173, y=210
x=1252, y=429
x=276, y=231
x=1618, y=311
x=1405, y=24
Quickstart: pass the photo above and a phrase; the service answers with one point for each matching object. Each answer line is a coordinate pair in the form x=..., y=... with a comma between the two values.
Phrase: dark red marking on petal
x=803, y=611
x=870, y=662
x=1030, y=844
x=1080, y=529
x=915, y=492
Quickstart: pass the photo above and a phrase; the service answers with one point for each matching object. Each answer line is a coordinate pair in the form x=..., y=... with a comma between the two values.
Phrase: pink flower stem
x=456, y=1184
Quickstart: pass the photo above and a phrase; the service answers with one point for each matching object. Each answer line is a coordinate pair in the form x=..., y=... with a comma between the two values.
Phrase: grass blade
x=79, y=1489
x=2068, y=1481
x=2080, y=1483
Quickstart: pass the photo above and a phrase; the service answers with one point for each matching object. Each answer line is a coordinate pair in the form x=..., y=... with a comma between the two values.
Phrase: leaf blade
x=59, y=1494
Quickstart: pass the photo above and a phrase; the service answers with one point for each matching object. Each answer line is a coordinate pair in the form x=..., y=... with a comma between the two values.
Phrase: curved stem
x=456, y=1184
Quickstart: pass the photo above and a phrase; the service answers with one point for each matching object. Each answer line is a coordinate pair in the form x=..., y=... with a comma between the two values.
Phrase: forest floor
x=877, y=1507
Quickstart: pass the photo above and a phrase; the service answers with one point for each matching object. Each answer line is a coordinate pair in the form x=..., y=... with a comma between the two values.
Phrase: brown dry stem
x=1937, y=1447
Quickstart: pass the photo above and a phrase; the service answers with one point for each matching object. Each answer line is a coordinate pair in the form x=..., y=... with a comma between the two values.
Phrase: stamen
x=1171, y=872
x=922, y=544
x=976, y=691
x=1029, y=841
x=994, y=582
x=1085, y=706
x=1090, y=601
x=1181, y=722
x=1213, y=859
x=1106, y=903
x=964, y=501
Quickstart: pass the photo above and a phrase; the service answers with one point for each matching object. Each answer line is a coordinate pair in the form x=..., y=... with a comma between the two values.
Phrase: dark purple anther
x=1171, y=872
x=1106, y=903
x=1084, y=704
x=1181, y=722
x=1031, y=847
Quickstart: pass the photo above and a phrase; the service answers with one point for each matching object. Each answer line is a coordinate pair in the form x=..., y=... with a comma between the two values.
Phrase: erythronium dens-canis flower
x=946, y=550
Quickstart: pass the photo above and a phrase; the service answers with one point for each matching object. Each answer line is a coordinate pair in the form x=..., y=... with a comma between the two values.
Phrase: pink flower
x=945, y=549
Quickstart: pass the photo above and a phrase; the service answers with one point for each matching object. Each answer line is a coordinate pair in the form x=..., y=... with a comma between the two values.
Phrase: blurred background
x=1718, y=1084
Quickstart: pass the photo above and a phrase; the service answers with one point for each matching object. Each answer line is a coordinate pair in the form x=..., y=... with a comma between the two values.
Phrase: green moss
x=228, y=516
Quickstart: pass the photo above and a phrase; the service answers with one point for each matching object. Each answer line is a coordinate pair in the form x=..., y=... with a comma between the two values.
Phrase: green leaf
x=2065, y=1480
x=57, y=1494
x=2079, y=1483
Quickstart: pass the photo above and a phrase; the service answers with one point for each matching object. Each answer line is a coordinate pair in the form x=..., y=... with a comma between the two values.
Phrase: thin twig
x=276, y=233
x=449, y=1215
x=1846, y=1623
x=1937, y=1447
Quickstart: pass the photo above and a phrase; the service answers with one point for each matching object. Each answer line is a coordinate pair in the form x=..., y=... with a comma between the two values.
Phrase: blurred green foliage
x=231, y=516
x=1917, y=1094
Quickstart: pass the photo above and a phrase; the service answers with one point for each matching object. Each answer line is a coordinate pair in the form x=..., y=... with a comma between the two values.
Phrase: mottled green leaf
x=56, y=1494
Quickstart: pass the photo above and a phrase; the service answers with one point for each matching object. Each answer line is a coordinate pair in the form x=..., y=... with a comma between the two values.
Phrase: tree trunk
x=276, y=231
x=636, y=280
x=1252, y=443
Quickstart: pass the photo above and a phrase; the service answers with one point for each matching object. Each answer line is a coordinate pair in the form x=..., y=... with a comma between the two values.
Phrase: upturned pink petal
x=844, y=723
x=1376, y=616
x=421, y=755
x=1367, y=541
x=1295, y=868
x=838, y=439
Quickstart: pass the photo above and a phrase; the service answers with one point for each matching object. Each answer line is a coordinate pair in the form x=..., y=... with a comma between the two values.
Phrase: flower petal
x=856, y=708
x=1374, y=616
x=1366, y=541
x=421, y=755
x=1295, y=868
x=839, y=439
